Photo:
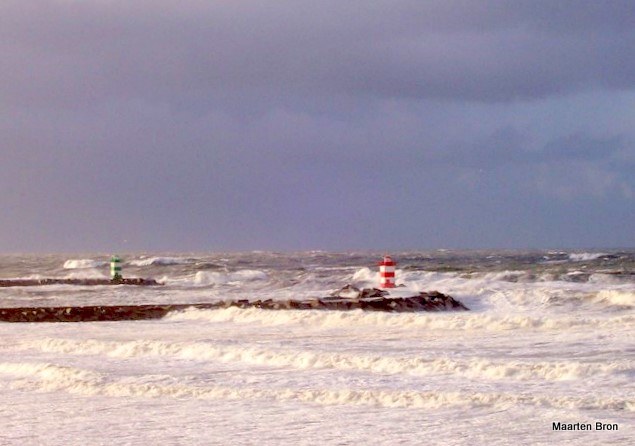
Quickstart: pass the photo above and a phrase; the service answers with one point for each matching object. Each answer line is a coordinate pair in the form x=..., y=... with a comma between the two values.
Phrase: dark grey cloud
x=178, y=52
x=296, y=124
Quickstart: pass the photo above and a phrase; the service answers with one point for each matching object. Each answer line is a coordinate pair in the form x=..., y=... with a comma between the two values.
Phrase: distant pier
x=86, y=282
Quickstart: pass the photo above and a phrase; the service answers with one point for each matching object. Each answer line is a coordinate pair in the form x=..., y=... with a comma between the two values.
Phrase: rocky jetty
x=86, y=282
x=352, y=292
x=433, y=301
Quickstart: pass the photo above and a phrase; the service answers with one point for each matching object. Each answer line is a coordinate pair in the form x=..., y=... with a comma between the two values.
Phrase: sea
x=546, y=350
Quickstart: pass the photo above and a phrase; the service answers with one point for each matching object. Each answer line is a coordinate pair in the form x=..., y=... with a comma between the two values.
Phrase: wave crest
x=616, y=297
x=83, y=263
x=160, y=261
x=586, y=256
x=405, y=321
x=218, y=278
x=473, y=368
x=50, y=377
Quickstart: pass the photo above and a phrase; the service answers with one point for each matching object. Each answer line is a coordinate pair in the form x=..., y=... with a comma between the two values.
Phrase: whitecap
x=616, y=297
x=83, y=263
x=219, y=278
x=585, y=256
x=162, y=261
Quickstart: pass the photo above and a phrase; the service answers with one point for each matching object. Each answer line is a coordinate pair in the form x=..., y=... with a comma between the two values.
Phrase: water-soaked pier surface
x=433, y=301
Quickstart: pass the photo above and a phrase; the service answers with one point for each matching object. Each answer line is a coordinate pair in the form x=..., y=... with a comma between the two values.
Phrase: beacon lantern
x=387, y=272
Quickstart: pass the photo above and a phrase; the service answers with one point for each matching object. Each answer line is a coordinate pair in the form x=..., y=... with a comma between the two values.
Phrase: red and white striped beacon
x=387, y=272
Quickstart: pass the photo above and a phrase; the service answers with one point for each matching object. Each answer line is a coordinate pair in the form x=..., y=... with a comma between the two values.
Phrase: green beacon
x=115, y=268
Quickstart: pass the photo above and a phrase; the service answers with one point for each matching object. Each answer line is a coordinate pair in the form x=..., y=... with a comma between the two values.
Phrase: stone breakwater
x=433, y=301
x=85, y=282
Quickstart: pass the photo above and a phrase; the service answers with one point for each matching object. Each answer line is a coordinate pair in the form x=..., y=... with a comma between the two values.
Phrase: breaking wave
x=586, y=256
x=405, y=321
x=474, y=368
x=217, y=278
x=84, y=263
x=161, y=261
x=50, y=377
x=616, y=297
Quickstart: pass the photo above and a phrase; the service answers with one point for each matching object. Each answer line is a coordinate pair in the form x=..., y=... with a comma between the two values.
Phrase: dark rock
x=373, y=292
x=423, y=302
x=347, y=292
x=352, y=292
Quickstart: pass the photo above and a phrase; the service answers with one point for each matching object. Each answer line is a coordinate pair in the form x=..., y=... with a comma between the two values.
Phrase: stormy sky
x=202, y=125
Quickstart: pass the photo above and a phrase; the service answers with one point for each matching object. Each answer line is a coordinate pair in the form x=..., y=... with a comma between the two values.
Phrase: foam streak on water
x=549, y=339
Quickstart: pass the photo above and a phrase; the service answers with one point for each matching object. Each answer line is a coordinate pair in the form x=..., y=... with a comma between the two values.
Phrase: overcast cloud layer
x=291, y=125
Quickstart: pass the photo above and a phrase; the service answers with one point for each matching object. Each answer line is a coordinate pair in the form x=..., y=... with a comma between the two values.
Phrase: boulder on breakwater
x=85, y=282
x=432, y=301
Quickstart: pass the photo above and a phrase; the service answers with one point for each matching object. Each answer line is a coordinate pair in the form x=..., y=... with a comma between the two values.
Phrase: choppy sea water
x=549, y=339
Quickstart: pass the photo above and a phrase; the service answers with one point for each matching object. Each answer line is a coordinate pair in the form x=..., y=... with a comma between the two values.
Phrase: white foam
x=366, y=277
x=236, y=277
x=87, y=274
x=164, y=261
x=585, y=256
x=49, y=372
x=473, y=368
x=50, y=377
x=617, y=297
x=501, y=276
x=84, y=263
x=406, y=321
